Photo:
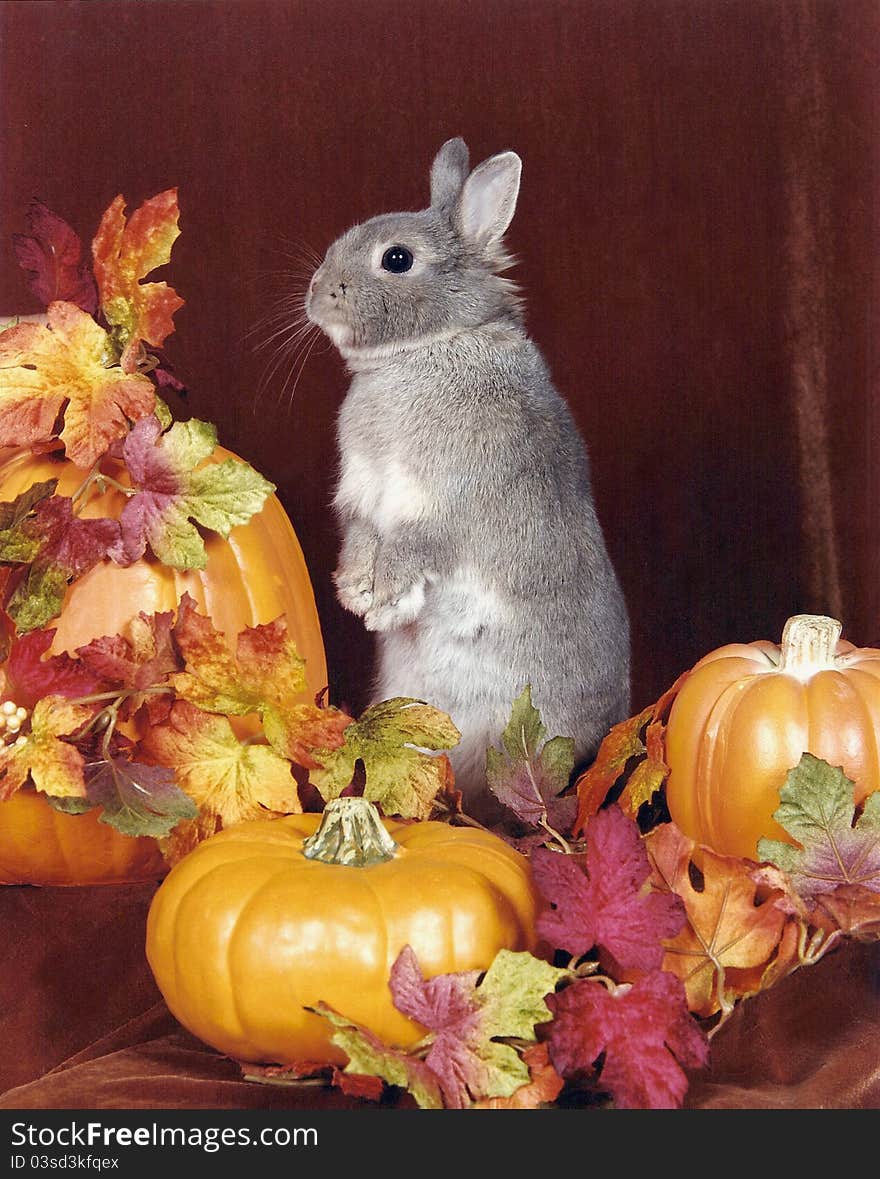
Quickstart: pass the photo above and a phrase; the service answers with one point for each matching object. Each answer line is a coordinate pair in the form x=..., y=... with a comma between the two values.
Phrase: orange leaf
x=126, y=253
x=622, y=742
x=649, y=775
x=729, y=928
x=63, y=366
x=186, y=835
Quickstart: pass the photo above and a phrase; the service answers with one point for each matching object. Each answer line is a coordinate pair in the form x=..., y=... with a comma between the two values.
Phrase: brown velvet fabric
x=85, y=1028
x=697, y=229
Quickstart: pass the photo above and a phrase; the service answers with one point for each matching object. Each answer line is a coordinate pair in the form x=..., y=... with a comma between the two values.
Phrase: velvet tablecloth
x=84, y=1026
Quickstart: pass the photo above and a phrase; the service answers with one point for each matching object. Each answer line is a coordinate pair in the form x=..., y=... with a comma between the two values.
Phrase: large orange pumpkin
x=270, y=917
x=250, y=578
x=745, y=715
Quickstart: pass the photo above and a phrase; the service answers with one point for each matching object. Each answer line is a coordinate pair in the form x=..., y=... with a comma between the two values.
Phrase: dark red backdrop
x=697, y=231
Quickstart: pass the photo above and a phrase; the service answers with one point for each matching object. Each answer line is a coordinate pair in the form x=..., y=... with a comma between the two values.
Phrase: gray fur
x=470, y=542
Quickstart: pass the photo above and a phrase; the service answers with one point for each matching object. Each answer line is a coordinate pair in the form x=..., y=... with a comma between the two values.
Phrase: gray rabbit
x=470, y=538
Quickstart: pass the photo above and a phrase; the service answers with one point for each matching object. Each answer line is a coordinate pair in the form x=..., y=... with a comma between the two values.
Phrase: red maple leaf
x=606, y=905
x=50, y=254
x=29, y=676
x=145, y=658
x=645, y=1031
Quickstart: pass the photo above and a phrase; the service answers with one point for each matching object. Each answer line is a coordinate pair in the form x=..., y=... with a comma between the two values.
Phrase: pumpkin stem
x=809, y=642
x=350, y=833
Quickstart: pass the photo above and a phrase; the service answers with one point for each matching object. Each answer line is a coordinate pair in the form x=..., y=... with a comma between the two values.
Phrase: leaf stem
x=96, y=478
x=122, y=694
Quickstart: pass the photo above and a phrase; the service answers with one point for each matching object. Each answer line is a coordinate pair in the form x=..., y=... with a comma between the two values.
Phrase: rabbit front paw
x=394, y=612
x=354, y=590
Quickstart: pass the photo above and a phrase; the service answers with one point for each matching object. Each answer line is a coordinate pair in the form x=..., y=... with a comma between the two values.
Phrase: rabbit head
x=402, y=279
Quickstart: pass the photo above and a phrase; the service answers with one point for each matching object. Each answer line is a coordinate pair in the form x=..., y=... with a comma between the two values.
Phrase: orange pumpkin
x=745, y=715
x=251, y=577
x=269, y=917
x=39, y=845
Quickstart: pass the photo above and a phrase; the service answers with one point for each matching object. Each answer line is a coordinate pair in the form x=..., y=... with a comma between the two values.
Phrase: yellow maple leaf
x=225, y=777
x=67, y=365
x=53, y=765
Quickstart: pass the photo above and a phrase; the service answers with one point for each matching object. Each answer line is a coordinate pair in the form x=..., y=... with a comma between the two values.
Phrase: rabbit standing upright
x=470, y=538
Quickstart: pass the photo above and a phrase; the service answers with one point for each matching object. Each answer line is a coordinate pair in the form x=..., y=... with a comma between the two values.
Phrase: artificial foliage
x=175, y=728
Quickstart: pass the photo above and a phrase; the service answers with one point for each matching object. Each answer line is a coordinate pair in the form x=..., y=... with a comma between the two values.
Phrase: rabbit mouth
x=331, y=319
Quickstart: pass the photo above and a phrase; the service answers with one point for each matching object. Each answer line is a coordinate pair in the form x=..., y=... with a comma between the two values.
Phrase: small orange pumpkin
x=250, y=578
x=747, y=712
x=270, y=917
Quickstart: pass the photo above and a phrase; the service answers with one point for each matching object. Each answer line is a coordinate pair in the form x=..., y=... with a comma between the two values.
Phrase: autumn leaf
x=365, y=1088
x=851, y=909
x=529, y=774
x=137, y=799
x=126, y=252
x=467, y=1017
x=606, y=905
x=65, y=367
x=231, y=779
x=29, y=674
x=391, y=738
x=264, y=675
x=142, y=659
x=542, y=1088
x=730, y=931
x=58, y=547
x=187, y=835
x=54, y=765
x=817, y=808
x=638, y=739
x=370, y=1056
x=176, y=489
x=13, y=512
x=622, y=742
x=643, y=1030
x=649, y=775
x=50, y=254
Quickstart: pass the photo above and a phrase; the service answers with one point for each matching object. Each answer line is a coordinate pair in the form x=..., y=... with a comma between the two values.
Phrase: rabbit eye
x=397, y=259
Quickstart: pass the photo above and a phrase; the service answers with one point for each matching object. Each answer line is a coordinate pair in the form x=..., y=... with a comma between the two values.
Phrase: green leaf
x=138, y=799
x=513, y=993
x=392, y=739
x=817, y=808
x=69, y=805
x=368, y=1056
x=38, y=598
x=13, y=512
x=528, y=777
x=175, y=492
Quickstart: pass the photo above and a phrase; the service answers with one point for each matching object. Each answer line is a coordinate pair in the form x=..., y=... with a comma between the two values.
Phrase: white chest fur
x=382, y=490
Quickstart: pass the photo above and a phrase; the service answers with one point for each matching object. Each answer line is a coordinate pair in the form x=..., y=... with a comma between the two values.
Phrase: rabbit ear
x=488, y=198
x=448, y=172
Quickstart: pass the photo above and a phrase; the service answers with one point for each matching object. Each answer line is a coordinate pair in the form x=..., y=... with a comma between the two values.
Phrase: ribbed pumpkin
x=748, y=711
x=269, y=917
x=39, y=845
x=250, y=578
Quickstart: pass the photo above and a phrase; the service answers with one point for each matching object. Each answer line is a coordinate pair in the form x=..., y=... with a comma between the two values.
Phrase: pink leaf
x=606, y=906
x=645, y=1031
